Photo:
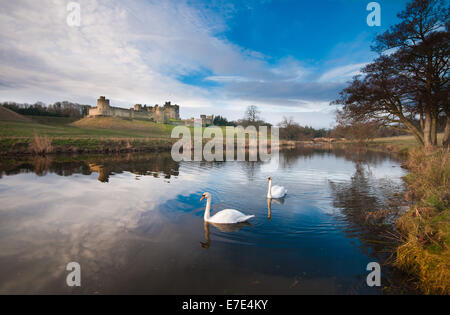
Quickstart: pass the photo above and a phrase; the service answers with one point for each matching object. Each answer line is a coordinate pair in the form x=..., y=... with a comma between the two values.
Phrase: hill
x=9, y=115
x=137, y=127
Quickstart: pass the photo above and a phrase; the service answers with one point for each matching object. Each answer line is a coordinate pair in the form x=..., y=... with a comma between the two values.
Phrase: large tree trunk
x=419, y=138
x=421, y=120
x=446, y=140
x=427, y=130
x=433, y=133
x=416, y=132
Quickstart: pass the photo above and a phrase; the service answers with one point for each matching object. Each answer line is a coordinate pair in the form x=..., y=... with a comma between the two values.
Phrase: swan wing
x=229, y=216
x=278, y=191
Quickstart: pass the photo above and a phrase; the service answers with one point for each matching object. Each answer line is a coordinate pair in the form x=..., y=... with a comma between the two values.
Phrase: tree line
x=407, y=86
x=289, y=129
x=58, y=109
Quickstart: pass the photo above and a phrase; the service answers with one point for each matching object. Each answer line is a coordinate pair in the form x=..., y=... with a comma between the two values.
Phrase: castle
x=169, y=114
x=161, y=114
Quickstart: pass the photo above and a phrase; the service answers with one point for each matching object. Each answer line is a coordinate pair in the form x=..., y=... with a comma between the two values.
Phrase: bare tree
x=252, y=113
x=289, y=129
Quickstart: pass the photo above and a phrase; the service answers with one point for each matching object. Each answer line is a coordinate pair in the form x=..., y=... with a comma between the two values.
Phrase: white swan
x=275, y=191
x=227, y=216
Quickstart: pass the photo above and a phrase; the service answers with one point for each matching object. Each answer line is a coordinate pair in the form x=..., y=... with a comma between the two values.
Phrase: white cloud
x=229, y=78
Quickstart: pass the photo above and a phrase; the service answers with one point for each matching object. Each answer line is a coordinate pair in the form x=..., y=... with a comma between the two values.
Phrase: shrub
x=41, y=144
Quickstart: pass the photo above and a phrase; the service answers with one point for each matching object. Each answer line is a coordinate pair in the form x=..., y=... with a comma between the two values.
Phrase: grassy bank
x=425, y=228
x=63, y=135
x=46, y=145
x=400, y=145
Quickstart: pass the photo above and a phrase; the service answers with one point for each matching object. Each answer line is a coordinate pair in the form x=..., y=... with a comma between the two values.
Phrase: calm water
x=135, y=224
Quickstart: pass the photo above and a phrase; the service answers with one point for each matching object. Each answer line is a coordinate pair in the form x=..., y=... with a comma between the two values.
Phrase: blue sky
x=289, y=57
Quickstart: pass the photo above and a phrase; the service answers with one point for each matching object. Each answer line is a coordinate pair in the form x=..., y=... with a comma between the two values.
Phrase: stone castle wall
x=167, y=113
x=162, y=114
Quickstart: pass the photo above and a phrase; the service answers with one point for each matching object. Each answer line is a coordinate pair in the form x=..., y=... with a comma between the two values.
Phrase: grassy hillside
x=9, y=115
x=125, y=127
x=107, y=127
x=51, y=120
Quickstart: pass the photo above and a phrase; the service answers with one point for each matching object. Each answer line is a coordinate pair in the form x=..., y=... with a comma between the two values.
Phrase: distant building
x=204, y=119
x=207, y=120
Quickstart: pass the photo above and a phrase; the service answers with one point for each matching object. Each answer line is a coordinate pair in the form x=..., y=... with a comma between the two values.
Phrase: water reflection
x=227, y=228
x=156, y=165
x=142, y=236
x=369, y=206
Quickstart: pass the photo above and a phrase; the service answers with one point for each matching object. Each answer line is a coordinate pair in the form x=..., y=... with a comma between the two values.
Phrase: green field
x=61, y=127
x=405, y=140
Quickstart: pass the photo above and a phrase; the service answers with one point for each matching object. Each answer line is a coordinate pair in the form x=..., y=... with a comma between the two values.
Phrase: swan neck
x=269, y=191
x=208, y=209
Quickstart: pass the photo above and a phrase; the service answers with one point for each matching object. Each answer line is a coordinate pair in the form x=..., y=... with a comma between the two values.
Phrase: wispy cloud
x=342, y=74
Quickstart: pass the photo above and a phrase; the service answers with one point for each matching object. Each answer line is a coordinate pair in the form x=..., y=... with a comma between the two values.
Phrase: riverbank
x=425, y=229
x=43, y=145
x=399, y=145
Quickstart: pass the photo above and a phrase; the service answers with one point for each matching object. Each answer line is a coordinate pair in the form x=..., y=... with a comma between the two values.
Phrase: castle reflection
x=153, y=164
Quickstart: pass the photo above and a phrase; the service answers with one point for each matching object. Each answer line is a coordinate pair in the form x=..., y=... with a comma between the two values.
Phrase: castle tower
x=103, y=104
x=176, y=109
x=157, y=115
x=171, y=111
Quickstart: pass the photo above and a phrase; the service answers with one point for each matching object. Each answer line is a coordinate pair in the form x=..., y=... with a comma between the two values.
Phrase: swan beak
x=203, y=197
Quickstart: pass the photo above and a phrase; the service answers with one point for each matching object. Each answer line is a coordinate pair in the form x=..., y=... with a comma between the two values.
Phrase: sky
x=288, y=57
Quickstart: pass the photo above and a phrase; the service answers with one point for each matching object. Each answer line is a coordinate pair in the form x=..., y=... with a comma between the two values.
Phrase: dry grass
x=41, y=145
x=425, y=228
